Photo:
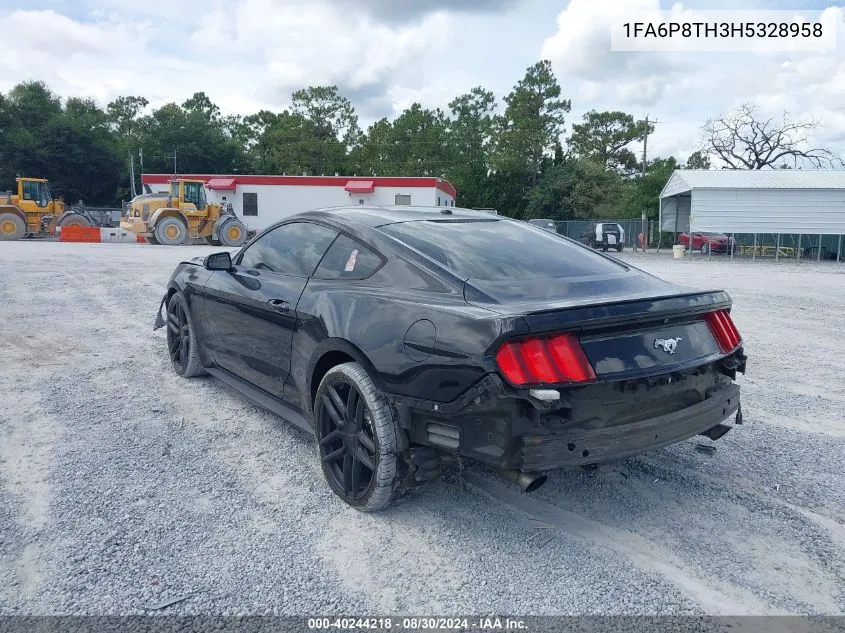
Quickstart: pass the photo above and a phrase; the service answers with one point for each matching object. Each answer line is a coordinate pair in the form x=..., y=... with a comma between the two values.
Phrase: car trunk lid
x=629, y=324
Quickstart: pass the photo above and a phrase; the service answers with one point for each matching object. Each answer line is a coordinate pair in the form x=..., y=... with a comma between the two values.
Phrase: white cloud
x=246, y=55
x=251, y=54
x=684, y=89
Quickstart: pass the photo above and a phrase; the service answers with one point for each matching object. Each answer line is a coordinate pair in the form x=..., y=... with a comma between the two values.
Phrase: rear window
x=496, y=249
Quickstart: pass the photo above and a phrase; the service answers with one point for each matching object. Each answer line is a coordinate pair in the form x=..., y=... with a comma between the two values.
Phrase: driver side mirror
x=218, y=261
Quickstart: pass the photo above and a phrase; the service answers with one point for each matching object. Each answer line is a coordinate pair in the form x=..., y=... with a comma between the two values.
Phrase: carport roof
x=684, y=180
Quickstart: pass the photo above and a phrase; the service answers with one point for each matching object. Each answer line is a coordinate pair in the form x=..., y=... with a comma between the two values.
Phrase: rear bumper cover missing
x=617, y=442
x=509, y=432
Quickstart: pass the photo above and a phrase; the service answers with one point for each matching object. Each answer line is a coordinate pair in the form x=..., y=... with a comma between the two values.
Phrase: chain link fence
x=774, y=246
x=768, y=246
x=581, y=229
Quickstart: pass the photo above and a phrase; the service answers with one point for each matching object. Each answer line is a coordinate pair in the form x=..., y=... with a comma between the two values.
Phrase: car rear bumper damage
x=578, y=447
x=514, y=431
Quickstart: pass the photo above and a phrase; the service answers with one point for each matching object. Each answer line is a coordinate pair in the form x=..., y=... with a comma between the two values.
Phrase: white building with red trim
x=263, y=200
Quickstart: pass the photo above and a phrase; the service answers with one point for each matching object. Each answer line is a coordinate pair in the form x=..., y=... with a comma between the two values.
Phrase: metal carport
x=759, y=202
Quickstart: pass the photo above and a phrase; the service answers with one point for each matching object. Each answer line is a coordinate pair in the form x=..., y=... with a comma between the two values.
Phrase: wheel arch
x=13, y=210
x=331, y=353
x=165, y=212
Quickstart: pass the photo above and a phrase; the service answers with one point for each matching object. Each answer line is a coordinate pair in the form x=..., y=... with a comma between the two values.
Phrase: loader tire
x=74, y=219
x=170, y=231
x=11, y=227
x=232, y=233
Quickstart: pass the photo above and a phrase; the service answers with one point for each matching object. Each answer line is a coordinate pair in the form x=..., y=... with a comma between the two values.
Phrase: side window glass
x=192, y=193
x=30, y=191
x=348, y=259
x=291, y=249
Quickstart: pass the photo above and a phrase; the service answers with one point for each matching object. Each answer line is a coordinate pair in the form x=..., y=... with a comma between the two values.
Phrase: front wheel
x=232, y=233
x=170, y=231
x=181, y=339
x=358, y=439
x=619, y=248
x=705, y=249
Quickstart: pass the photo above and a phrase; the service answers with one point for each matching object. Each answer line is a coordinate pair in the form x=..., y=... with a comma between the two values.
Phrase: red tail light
x=544, y=360
x=724, y=330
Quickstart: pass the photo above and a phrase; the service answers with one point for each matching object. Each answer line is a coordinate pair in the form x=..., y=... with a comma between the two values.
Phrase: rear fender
x=327, y=346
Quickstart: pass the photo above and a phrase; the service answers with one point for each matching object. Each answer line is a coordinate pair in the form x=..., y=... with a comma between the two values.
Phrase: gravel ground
x=123, y=486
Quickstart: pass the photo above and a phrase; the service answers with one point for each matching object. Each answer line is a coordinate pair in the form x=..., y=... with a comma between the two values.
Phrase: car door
x=251, y=310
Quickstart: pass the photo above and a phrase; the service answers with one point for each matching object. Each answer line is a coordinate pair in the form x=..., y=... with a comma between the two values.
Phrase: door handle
x=278, y=304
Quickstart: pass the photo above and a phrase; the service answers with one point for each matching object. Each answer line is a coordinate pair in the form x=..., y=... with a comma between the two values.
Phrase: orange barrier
x=97, y=234
x=80, y=234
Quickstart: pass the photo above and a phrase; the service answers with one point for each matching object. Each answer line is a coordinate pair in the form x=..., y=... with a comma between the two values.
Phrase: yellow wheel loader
x=183, y=213
x=31, y=211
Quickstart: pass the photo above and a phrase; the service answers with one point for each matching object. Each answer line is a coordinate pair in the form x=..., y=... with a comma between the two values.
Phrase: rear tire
x=170, y=231
x=12, y=227
x=619, y=248
x=181, y=339
x=705, y=249
x=232, y=233
x=358, y=439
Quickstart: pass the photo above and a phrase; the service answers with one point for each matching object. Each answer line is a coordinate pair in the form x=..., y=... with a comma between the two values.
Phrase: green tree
x=415, y=144
x=470, y=139
x=197, y=134
x=576, y=189
x=70, y=144
x=287, y=145
x=123, y=114
x=697, y=160
x=332, y=126
x=605, y=138
x=643, y=193
x=524, y=134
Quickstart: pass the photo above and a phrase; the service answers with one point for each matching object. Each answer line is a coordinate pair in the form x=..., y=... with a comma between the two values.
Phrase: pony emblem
x=668, y=345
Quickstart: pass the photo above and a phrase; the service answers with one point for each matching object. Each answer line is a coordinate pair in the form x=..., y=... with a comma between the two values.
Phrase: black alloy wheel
x=347, y=444
x=178, y=336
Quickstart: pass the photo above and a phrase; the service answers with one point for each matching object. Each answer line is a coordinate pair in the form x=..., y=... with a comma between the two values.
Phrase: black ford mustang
x=400, y=337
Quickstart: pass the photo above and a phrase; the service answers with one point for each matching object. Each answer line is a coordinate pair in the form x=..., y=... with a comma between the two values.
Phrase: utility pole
x=645, y=158
x=141, y=157
x=132, y=174
x=174, y=162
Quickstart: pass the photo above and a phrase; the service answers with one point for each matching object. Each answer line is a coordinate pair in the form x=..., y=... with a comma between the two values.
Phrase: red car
x=707, y=242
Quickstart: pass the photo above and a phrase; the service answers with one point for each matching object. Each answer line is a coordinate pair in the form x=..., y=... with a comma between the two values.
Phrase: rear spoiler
x=642, y=309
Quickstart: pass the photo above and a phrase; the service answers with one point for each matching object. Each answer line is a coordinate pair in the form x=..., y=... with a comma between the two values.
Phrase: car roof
x=375, y=216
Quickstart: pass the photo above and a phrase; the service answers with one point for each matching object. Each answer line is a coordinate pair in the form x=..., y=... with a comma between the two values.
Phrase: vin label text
x=680, y=30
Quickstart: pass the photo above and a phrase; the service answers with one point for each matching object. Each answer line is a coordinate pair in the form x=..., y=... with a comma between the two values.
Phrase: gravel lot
x=122, y=486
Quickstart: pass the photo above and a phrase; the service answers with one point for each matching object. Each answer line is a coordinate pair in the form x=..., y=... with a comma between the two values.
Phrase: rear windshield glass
x=497, y=249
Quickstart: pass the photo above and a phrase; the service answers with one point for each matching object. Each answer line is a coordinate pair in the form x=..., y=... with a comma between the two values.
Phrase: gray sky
x=386, y=54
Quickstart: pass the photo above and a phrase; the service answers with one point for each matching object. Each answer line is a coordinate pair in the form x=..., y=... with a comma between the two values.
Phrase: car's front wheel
x=181, y=339
x=705, y=248
x=358, y=439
